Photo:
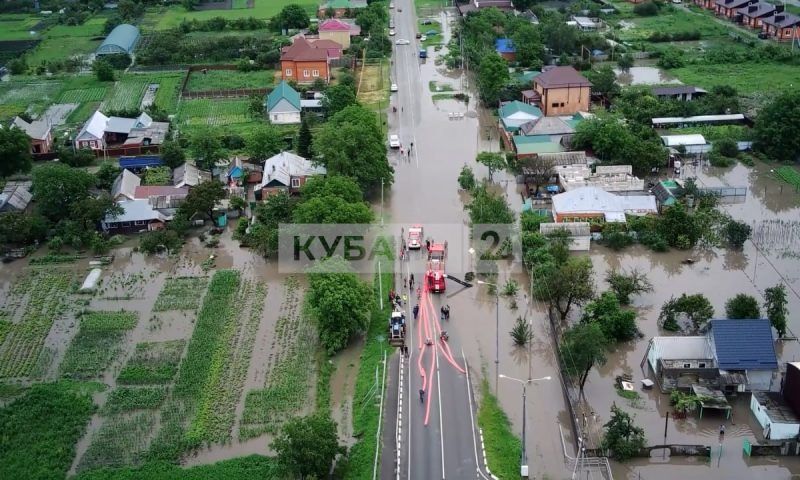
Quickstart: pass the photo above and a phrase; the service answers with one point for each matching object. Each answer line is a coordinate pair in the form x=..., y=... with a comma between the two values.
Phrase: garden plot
x=122, y=440
x=228, y=79
x=17, y=97
x=152, y=363
x=43, y=292
x=128, y=399
x=290, y=368
x=181, y=293
x=126, y=95
x=90, y=94
x=214, y=112
x=185, y=415
x=124, y=286
x=97, y=343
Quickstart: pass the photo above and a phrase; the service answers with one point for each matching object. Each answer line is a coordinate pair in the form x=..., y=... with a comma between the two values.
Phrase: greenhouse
x=122, y=39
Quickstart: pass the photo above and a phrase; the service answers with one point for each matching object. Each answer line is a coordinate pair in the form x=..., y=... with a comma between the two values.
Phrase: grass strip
x=253, y=466
x=366, y=407
x=503, y=448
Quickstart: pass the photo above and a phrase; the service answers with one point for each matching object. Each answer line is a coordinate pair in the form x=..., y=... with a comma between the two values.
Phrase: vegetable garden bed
x=152, y=363
x=181, y=293
x=97, y=343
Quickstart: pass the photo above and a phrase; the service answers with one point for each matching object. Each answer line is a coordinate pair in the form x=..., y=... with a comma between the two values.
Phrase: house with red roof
x=305, y=61
x=334, y=49
x=337, y=30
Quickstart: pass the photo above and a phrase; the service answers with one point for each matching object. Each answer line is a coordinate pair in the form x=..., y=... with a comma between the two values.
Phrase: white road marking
x=441, y=427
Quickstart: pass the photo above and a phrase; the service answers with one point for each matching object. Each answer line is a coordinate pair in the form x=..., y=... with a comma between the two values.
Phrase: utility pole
x=381, y=201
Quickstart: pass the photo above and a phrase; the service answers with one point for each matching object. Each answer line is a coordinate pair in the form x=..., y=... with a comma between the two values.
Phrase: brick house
x=753, y=13
x=336, y=30
x=729, y=8
x=303, y=62
x=707, y=4
x=783, y=26
x=39, y=132
x=562, y=91
x=340, y=8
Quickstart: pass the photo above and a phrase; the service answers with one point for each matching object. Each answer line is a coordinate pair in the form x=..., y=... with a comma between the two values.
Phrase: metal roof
x=504, y=45
x=677, y=90
x=698, y=119
x=744, y=344
x=122, y=39
x=561, y=77
x=285, y=165
x=135, y=211
x=686, y=140
x=593, y=199
x=283, y=91
x=125, y=184
x=536, y=144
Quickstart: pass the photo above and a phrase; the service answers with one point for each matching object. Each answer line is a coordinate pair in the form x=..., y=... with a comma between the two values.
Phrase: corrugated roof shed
x=15, y=197
x=122, y=39
x=504, y=45
x=744, y=344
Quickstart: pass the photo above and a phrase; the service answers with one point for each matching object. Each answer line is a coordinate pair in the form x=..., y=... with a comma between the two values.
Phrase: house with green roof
x=533, y=146
x=514, y=114
x=283, y=105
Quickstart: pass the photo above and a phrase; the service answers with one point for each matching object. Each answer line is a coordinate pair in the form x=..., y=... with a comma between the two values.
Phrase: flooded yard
x=644, y=76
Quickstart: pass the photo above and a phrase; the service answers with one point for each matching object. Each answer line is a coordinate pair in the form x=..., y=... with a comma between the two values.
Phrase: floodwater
x=644, y=76
x=343, y=384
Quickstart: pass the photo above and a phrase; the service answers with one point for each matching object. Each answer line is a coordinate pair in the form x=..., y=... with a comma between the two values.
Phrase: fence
x=126, y=151
x=225, y=93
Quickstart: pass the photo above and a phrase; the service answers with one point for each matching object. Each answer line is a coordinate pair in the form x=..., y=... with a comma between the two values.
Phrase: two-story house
x=337, y=30
x=562, y=91
x=304, y=62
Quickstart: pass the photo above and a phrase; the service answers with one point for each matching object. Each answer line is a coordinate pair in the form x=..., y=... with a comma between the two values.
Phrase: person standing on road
x=416, y=311
x=421, y=395
x=411, y=282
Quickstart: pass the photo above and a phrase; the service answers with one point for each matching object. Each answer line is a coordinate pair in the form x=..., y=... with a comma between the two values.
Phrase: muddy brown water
x=644, y=76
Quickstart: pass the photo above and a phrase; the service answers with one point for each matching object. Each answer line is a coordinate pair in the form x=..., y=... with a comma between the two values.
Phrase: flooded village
x=639, y=320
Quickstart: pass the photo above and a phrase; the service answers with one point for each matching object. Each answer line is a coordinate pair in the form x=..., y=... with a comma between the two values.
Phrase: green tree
x=76, y=158
x=626, y=284
x=340, y=302
x=696, y=308
x=337, y=98
x=678, y=227
x=263, y=142
x=777, y=129
x=172, y=154
x=622, y=437
x=22, y=228
x=103, y=70
x=727, y=147
x=488, y=208
x=351, y=144
x=742, y=306
x=15, y=150
x=307, y=446
x=333, y=186
x=304, y=138
x=671, y=57
x=617, y=324
x=493, y=161
x=625, y=62
x=331, y=209
x=466, y=179
x=571, y=285
x=57, y=186
x=582, y=347
x=202, y=199
x=263, y=237
x=646, y=9
x=207, y=148
x=522, y=333
x=106, y=175
x=775, y=305
x=492, y=77
x=604, y=81
x=528, y=42
x=157, y=176
x=736, y=233
x=89, y=211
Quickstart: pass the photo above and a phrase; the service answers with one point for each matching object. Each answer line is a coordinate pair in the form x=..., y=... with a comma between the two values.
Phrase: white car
x=394, y=141
x=402, y=41
x=391, y=32
x=423, y=38
x=391, y=5
x=393, y=88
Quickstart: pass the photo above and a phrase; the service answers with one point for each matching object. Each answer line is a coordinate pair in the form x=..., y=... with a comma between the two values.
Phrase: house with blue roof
x=733, y=356
x=506, y=49
x=283, y=105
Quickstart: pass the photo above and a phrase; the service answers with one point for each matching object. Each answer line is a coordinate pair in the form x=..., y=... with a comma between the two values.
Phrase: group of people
x=396, y=299
x=406, y=153
x=445, y=312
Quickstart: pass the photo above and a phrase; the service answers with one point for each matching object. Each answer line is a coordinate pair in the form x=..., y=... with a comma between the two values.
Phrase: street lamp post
x=523, y=461
x=496, y=328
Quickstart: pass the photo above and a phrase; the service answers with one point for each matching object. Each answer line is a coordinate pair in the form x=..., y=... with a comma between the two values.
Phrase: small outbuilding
x=580, y=235
x=122, y=40
x=283, y=105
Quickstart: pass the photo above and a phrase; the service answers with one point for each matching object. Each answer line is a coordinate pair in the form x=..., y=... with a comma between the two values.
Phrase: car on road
x=391, y=5
x=402, y=41
x=391, y=32
x=393, y=88
x=394, y=141
x=399, y=9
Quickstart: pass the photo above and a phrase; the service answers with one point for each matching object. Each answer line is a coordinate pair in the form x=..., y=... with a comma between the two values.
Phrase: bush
x=671, y=58
x=727, y=147
x=717, y=160
x=153, y=242
x=646, y=9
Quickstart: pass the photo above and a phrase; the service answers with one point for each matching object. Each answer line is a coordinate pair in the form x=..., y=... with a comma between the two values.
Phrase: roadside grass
x=97, y=343
x=41, y=429
x=165, y=18
x=366, y=408
x=224, y=79
x=429, y=4
x=749, y=78
x=152, y=363
x=503, y=448
x=433, y=25
x=253, y=466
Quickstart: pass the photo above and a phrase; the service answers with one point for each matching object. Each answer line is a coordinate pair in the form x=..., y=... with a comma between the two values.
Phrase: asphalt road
x=438, y=438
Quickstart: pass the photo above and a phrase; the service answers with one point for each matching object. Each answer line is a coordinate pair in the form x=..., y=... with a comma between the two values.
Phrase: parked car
x=423, y=38
x=391, y=32
x=393, y=88
x=391, y=5
x=402, y=41
x=394, y=141
x=419, y=35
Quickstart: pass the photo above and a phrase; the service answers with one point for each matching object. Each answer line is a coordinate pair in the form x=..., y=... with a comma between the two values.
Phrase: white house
x=283, y=105
x=777, y=412
x=287, y=172
x=101, y=131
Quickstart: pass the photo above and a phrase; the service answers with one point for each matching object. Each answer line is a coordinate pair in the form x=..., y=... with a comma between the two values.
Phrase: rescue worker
x=444, y=337
x=421, y=395
x=442, y=314
x=411, y=282
x=416, y=311
x=447, y=312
